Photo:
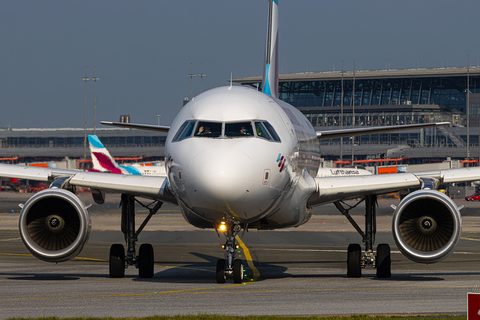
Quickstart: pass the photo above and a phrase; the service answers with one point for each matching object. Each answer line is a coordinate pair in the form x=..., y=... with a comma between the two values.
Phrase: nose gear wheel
x=237, y=271
x=230, y=265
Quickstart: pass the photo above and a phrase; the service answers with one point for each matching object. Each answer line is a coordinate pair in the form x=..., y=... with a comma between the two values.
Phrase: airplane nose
x=223, y=177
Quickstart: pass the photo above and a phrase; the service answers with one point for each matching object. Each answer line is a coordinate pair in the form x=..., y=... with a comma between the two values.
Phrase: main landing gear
x=229, y=266
x=356, y=260
x=119, y=261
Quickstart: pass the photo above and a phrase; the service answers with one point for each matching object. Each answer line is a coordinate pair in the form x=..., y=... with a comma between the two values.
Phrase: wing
x=150, y=127
x=332, y=189
x=331, y=134
x=154, y=187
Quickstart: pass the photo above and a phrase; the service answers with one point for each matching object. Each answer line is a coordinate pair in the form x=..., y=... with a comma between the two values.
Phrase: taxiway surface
x=287, y=273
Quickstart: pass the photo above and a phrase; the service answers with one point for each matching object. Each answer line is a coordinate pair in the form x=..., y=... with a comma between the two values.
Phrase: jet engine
x=426, y=226
x=54, y=225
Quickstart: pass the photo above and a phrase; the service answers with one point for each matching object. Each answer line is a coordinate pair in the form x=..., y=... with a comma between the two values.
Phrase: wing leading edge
x=333, y=189
x=149, y=127
x=154, y=187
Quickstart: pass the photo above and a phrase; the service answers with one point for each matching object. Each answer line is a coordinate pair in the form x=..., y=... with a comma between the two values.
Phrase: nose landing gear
x=229, y=266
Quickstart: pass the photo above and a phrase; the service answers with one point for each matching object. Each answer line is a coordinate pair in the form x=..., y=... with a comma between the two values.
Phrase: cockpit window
x=185, y=131
x=261, y=131
x=238, y=129
x=272, y=131
x=208, y=129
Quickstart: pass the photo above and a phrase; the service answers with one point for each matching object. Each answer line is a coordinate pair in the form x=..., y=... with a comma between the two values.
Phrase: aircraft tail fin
x=101, y=158
x=270, y=72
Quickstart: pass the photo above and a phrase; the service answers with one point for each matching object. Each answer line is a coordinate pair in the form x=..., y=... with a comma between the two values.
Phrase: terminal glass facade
x=55, y=141
x=448, y=91
x=390, y=100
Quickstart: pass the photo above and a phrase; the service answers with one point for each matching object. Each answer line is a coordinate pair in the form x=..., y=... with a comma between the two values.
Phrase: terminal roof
x=368, y=74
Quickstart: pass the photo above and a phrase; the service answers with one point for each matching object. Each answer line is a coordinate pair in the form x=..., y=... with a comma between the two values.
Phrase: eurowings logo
x=104, y=162
x=281, y=162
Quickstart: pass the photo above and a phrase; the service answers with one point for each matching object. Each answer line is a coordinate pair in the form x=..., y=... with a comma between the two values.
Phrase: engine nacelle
x=54, y=225
x=426, y=226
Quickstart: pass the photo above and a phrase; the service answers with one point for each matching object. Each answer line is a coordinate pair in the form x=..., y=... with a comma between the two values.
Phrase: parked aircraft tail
x=101, y=158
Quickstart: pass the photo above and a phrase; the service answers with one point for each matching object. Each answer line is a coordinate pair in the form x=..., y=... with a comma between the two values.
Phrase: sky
x=143, y=50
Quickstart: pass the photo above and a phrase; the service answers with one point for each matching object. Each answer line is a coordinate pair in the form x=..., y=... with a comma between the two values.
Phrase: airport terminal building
x=389, y=97
x=33, y=144
x=370, y=98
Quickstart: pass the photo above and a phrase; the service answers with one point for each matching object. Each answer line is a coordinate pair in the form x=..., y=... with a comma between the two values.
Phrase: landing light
x=222, y=226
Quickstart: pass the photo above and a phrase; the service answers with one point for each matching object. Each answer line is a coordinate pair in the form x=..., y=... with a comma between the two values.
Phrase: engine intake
x=54, y=225
x=426, y=226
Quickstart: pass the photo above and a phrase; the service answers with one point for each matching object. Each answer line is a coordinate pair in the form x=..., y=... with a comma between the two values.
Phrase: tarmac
x=300, y=271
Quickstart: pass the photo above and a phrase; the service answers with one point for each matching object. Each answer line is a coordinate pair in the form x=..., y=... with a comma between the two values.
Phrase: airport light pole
x=341, y=120
x=353, y=113
x=468, y=107
x=191, y=75
x=201, y=75
x=85, y=130
x=95, y=78
x=158, y=116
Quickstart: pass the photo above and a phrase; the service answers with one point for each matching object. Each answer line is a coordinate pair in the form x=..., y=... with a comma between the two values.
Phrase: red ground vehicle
x=475, y=196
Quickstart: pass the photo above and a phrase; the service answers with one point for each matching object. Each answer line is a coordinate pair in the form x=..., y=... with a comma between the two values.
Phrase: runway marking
x=92, y=259
x=213, y=290
x=246, y=252
x=344, y=251
x=335, y=289
x=125, y=294
x=187, y=268
x=471, y=239
x=9, y=235
x=103, y=260
x=16, y=254
x=11, y=239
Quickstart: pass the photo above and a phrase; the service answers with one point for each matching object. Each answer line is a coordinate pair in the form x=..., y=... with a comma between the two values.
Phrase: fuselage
x=234, y=151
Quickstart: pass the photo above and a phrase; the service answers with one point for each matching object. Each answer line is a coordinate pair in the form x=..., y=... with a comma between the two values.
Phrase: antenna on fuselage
x=231, y=79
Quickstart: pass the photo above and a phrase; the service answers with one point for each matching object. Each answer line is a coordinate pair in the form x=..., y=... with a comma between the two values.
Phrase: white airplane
x=239, y=159
x=104, y=162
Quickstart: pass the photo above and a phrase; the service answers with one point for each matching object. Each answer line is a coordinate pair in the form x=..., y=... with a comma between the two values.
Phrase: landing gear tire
x=383, y=261
x=146, y=261
x=116, y=261
x=221, y=265
x=354, y=269
x=237, y=271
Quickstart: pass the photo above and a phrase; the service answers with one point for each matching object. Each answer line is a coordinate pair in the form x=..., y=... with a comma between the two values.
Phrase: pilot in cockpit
x=203, y=131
